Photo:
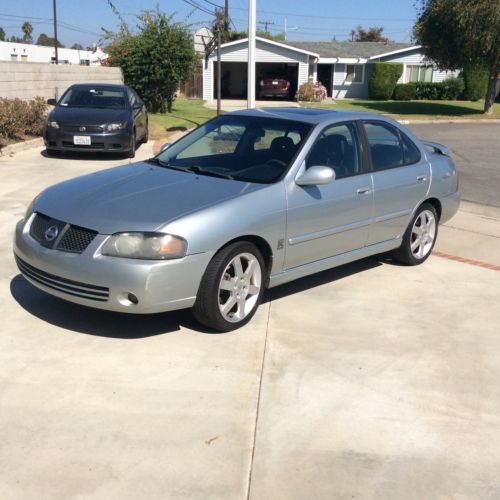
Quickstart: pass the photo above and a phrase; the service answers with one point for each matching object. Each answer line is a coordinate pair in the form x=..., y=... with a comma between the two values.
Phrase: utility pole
x=219, y=69
x=266, y=24
x=226, y=10
x=55, y=30
x=252, y=18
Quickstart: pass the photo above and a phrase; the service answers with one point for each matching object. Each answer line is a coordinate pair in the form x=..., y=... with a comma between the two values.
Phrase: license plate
x=275, y=82
x=82, y=140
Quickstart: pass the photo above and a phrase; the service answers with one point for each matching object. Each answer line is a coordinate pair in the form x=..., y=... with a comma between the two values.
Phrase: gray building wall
x=29, y=80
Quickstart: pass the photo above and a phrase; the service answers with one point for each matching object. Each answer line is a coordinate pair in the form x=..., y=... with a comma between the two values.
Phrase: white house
x=24, y=52
x=343, y=67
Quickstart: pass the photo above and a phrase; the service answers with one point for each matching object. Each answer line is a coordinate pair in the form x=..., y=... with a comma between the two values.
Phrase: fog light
x=127, y=299
x=132, y=298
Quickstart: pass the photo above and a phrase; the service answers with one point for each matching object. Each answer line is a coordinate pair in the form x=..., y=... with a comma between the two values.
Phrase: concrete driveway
x=372, y=380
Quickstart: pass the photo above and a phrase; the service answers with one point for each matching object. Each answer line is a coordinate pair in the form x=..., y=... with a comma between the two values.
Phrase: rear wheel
x=420, y=236
x=231, y=288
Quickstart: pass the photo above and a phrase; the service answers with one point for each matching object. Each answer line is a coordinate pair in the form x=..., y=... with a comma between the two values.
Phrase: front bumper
x=94, y=280
x=113, y=142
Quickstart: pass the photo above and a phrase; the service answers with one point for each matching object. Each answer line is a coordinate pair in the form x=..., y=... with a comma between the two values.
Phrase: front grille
x=94, y=145
x=76, y=128
x=69, y=287
x=74, y=239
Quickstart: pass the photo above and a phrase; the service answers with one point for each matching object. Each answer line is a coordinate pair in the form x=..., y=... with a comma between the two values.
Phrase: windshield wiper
x=205, y=171
x=166, y=164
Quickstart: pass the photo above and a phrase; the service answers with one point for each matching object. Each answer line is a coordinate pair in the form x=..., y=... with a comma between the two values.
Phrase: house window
x=24, y=58
x=419, y=73
x=13, y=57
x=355, y=73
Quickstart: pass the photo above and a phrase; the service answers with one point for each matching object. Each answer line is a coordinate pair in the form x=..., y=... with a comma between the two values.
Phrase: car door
x=401, y=179
x=328, y=220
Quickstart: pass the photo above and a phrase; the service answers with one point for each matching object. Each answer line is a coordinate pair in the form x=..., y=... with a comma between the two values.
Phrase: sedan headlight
x=29, y=210
x=112, y=127
x=150, y=246
x=53, y=124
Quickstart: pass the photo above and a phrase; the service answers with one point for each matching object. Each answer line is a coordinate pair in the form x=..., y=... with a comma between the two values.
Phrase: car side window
x=337, y=147
x=410, y=150
x=385, y=146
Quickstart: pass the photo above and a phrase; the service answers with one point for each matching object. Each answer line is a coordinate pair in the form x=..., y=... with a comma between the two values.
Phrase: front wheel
x=420, y=236
x=133, y=146
x=231, y=288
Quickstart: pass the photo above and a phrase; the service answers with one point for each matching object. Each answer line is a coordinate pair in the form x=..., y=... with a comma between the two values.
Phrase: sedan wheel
x=232, y=287
x=420, y=237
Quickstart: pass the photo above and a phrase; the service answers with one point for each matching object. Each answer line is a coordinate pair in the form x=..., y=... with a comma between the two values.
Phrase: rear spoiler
x=438, y=148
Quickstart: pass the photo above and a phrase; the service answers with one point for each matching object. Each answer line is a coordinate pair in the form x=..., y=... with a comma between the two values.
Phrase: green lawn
x=413, y=109
x=186, y=114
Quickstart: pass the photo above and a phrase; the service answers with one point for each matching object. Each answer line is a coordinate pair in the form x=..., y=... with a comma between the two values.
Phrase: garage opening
x=234, y=79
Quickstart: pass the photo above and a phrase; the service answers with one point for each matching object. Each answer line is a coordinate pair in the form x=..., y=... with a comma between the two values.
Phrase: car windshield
x=243, y=148
x=94, y=97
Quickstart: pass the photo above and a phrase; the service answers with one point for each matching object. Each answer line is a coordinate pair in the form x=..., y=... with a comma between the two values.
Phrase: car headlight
x=53, y=124
x=154, y=246
x=111, y=127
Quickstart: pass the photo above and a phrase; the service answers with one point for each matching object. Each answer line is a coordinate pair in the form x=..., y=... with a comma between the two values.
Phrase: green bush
x=19, y=118
x=452, y=88
x=431, y=91
x=383, y=80
x=476, y=82
x=405, y=92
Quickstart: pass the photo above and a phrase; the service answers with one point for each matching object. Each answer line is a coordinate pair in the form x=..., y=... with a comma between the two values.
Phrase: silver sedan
x=249, y=200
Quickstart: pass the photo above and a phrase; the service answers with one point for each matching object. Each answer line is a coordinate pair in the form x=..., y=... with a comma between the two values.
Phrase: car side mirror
x=315, y=176
x=51, y=102
x=165, y=146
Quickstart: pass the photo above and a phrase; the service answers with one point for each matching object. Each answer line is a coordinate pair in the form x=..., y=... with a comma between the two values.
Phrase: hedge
x=447, y=90
x=476, y=83
x=383, y=80
x=19, y=118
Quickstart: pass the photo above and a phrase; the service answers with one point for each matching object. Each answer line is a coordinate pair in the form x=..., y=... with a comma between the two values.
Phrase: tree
x=463, y=34
x=2, y=35
x=77, y=46
x=156, y=60
x=27, y=28
x=47, y=41
x=16, y=39
x=373, y=34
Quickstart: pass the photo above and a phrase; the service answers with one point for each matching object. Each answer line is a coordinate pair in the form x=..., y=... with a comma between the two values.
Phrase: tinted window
x=385, y=147
x=337, y=147
x=94, y=97
x=411, y=152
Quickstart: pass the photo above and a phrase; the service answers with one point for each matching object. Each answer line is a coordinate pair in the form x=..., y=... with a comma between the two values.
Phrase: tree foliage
x=77, y=46
x=2, y=35
x=373, y=34
x=156, y=59
x=462, y=34
x=383, y=80
x=27, y=29
x=48, y=41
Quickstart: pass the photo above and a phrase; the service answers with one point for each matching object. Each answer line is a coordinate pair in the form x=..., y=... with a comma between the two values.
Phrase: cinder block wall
x=28, y=80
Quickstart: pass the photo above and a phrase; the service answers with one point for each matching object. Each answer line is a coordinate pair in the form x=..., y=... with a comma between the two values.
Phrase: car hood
x=87, y=116
x=137, y=197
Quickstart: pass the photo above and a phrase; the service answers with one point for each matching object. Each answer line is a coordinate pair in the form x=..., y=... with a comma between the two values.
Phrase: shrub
x=383, y=80
x=311, y=92
x=476, y=82
x=452, y=88
x=19, y=118
x=428, y=90
x=405, y=92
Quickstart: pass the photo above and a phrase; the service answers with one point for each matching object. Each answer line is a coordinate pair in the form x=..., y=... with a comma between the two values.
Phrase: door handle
x=364, y=190
x=421, y=178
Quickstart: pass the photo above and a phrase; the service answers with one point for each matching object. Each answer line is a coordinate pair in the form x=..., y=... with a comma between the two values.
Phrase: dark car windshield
x=94, y=97
x=243, y=148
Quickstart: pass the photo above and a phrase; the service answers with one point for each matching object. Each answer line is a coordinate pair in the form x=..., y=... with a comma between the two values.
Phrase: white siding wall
x=265, y=53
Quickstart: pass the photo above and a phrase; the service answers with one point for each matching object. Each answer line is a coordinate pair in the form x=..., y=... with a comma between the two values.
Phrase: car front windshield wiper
x=195, y=169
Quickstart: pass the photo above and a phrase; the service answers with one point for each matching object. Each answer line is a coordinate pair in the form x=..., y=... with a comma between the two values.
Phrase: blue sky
x=81, y=20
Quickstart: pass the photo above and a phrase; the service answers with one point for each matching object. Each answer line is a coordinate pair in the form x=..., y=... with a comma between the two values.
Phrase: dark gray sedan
x=247, y=201
x=96, y=117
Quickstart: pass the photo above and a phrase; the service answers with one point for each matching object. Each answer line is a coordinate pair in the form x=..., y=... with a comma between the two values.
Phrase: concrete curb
x=21, y=146
x=478, y=209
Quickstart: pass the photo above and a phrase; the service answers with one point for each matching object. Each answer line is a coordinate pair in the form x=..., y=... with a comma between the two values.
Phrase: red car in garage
x=274, y=86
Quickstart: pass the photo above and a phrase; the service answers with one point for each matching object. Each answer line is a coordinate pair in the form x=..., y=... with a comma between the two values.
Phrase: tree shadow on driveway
x=89, y=321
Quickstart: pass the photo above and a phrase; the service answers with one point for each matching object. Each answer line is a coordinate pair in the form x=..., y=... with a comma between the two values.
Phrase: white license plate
x=82, y=140
x=275, y=82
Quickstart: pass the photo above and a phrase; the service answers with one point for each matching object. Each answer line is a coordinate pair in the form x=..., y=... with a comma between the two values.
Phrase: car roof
x=309, y=115
x=101, y=85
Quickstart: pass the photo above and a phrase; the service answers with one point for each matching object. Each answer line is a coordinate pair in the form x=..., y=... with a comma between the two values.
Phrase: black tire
x=404, y=253
x=206, y=308
x=131, y=153
x=52, y=152
x=146, y=134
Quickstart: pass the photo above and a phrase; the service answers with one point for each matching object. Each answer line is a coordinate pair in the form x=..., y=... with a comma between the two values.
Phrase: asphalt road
x=475, y=149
